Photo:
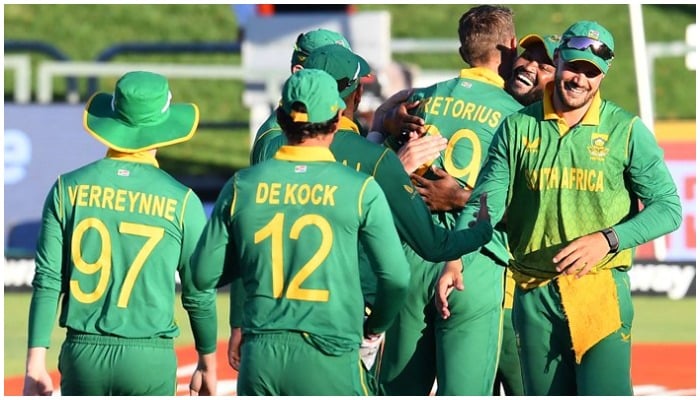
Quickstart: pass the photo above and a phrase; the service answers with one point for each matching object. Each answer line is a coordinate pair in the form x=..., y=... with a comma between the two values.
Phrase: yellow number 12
x=274, y=230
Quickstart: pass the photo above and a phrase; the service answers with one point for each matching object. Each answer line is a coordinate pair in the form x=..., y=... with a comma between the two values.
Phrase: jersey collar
x=592, y=116
x=304, y=153
x=346, y=124
x=142, y=157
x=483, y=75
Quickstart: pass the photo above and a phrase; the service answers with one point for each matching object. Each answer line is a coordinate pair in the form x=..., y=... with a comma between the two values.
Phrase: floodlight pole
x=644, y=94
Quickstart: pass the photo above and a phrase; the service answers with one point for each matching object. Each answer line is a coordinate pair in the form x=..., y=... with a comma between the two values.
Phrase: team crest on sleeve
x=598, y=147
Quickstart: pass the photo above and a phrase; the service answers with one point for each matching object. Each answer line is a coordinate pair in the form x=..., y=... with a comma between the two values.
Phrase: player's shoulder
x=442, y=86
x=610, y=109
x=270, y=125
x=349, y=138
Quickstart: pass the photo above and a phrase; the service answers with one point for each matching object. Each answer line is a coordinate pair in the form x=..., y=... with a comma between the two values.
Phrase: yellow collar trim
x=304, y=153
x=483, y=75
x=592, y=116
x=143, y=157
x=346, y=124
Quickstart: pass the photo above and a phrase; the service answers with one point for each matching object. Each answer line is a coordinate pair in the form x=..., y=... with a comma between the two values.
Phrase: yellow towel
x=591, y=307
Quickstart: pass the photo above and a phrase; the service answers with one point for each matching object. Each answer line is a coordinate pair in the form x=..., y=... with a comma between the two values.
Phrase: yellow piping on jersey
x=376, y=165
x=362, y=195
x=235, y=196
x=629, y=137
x=265, y=134
x=184, y=205
x=363, y=381
x=59, y=186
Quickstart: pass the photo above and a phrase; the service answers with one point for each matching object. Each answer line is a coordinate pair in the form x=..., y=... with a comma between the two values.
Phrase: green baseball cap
x=138, y=116
x=342, y=64
x=317, y=90
x=308, y=42
x=588, y=41
x=550, y=43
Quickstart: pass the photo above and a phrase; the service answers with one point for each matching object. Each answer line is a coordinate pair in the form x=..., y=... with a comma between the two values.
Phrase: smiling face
x=532, y=70
x=576, y=83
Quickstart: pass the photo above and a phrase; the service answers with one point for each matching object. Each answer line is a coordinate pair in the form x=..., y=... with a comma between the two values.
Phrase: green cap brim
x=365, y=70
x=104, y=124
x=571, y=55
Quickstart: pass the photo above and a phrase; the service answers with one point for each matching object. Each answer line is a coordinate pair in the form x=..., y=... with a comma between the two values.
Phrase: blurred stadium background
x=230, y=60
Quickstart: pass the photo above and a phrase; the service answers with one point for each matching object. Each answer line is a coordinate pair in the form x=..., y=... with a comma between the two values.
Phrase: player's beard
x=571, y=95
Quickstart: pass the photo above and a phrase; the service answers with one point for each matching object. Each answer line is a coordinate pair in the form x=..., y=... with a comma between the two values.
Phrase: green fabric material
x=139, y=115
x=317, y=90
x=308, y=42
x=591, y=30
x=319, y=235
x=110, y=366
x=509, y=374
x=566, y=186
x=544, y=343
x=342, y=64
x=287, y=364
x=143, y=225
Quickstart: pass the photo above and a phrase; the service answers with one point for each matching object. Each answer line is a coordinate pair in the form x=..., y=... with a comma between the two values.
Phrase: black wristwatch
x=612, y=239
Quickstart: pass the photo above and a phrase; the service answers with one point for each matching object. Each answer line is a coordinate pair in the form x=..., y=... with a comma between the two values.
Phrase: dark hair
x=482, y=30
x=297, y=132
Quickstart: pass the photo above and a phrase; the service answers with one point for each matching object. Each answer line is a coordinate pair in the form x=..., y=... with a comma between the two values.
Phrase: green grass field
x=85, y=31
x=657, y=320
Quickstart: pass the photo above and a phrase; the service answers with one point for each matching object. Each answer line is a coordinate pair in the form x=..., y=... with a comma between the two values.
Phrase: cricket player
x=114, y=235
x=410, y=215
x=289, y=228
x=532, y=70
x=570, y=172
x=461, y=351
x=305, y=44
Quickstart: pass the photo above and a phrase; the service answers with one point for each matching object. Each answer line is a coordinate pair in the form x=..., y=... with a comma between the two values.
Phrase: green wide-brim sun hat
x=139, y=116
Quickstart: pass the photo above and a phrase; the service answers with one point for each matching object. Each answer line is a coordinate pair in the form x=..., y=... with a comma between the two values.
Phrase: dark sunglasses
x=345, y=83
x=597, y=47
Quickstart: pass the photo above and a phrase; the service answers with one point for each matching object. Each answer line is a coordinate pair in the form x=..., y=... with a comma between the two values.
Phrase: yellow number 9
x=470, y=172
x=103, y=264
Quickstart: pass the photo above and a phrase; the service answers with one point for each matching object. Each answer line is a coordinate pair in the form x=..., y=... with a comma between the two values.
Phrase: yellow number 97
x=103, y=264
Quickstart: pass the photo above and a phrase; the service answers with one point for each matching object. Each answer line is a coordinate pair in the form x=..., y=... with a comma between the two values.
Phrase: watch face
x=611, y=237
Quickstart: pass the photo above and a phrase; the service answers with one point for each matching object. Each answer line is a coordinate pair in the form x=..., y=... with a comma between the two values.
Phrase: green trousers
x=286, y=364
x=509, y=375
x=546, y=355
x=94, y=365
x=461, y=351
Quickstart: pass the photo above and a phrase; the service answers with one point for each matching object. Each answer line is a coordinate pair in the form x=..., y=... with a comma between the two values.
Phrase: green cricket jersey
x=266, y=143
x=114, y=235
x=465, y=110
x=266, y=134
x=289, y=227
x=412, y=217
x=557, y=184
